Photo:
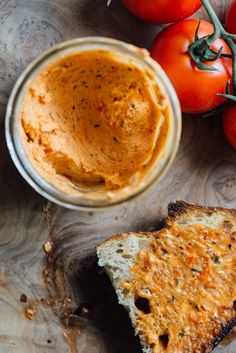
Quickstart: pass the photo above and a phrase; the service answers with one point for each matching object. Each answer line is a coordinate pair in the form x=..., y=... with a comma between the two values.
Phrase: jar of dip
x=92, y=123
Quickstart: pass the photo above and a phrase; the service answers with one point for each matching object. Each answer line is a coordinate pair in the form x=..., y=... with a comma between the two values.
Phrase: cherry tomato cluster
x=198, y=86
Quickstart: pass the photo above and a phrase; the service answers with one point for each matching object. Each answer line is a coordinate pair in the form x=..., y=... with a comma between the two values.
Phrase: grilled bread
x=178, y=284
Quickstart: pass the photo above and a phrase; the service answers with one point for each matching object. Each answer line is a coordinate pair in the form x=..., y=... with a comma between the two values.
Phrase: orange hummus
x=92, y=118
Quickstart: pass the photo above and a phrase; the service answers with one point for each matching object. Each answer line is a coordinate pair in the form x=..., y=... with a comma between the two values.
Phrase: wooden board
x=68, y=282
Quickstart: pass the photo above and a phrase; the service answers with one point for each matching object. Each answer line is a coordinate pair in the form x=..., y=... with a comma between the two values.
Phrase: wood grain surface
x=74, y=307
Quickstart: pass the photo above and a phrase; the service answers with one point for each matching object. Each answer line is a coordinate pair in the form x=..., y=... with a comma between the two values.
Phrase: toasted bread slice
x=178, y=284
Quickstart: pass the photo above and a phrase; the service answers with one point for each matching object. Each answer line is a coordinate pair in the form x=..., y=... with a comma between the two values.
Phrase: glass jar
x=85, y=198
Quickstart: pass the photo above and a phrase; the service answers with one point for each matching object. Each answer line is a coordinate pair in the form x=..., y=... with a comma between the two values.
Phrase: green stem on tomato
x=231, y=35
x=228, y=96
x=219, y=109
x=201, y=51
x=219, y=29
x=234, y=75
x=220, y=32
x=232, y=46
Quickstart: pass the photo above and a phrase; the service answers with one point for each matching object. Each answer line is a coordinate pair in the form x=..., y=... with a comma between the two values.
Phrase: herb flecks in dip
x=92, y=119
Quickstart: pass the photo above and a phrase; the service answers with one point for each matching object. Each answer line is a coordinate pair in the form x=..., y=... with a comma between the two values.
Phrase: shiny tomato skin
x=231, y=18
x=162, y=11
x=229, y=124
x=197, y=90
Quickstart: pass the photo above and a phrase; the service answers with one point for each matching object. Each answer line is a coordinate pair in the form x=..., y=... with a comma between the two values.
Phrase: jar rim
x=14, y=143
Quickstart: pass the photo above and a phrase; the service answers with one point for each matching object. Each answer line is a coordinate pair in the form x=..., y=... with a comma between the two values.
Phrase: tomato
x=162, y=11
x=229, y=115
x=229, y=123
x=197, y=89
x=231, y=18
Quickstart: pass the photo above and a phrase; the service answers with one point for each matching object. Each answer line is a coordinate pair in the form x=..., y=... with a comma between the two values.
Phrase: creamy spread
x=93, y=119
x=187, y=282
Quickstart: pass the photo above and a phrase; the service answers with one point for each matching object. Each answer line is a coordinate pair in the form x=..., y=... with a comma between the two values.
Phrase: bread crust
x=180, y=207
x=225, y=329
x=124, y=235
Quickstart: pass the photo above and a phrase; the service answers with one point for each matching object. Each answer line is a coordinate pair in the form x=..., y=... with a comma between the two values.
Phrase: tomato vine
x=201, y=51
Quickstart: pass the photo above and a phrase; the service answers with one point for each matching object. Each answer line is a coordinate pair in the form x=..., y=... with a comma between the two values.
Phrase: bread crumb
x=47, y=247
x=23, y=298
x=30, y=311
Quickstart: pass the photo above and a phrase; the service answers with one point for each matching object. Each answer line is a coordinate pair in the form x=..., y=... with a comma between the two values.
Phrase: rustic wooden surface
x=204, y=171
